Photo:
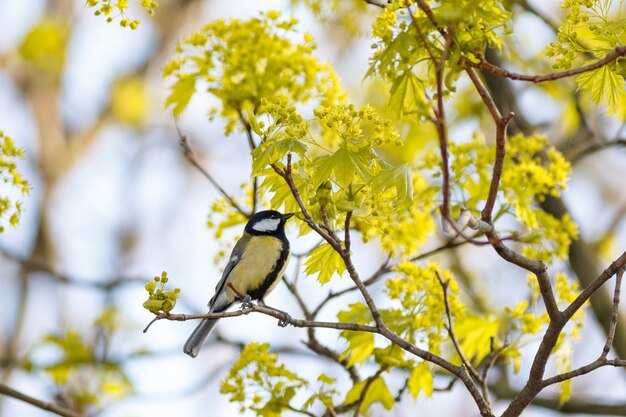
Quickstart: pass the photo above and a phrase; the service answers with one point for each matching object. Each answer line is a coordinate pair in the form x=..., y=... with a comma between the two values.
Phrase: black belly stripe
x=259, y=293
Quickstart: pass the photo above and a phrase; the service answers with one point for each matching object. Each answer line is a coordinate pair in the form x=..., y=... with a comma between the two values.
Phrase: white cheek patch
x=266, y=225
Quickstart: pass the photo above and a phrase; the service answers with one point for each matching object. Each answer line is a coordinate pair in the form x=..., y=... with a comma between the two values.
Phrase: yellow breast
x=257, y=262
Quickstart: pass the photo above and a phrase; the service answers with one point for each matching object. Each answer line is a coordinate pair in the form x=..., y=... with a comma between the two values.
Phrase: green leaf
x=376, y=392
x=603, y=83
x=401, y=179
x=421, y=379
x=324, y=261
x=361, y=346
x=342, y=167
x=181, y=92
x=400, y=45
x=406, y=94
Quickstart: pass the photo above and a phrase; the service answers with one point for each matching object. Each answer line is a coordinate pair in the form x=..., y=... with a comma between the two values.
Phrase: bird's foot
x=246, y=302
x=282, y=322
x=285, y=320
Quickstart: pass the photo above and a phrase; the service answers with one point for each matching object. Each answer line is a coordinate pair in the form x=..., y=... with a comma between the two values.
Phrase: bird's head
x=268, y=222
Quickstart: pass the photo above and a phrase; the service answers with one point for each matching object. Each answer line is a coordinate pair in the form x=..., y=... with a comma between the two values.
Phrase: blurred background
x=114, y=203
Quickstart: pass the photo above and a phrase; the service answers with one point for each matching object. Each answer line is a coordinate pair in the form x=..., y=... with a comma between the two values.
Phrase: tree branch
x=190, y=155
x=263, y=310
x=535, y=382
x=619, y=51
x=452, y=335
x=53, y=408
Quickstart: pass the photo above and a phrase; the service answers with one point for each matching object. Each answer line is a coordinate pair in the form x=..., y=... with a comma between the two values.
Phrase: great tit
x=255, y=267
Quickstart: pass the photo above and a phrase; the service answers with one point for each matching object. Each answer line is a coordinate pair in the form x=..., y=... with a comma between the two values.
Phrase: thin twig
x=190, y=155
x=53, y=408
x=450, y=329
x=597, y=147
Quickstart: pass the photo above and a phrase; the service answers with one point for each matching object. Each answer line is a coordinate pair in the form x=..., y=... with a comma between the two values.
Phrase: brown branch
x=190, y=155
x=440, y=124
x=536, y=267
x=597, y=147
x=267, y=311
x=346, y=229
x=598, y=363
x=582, y=298
x=619, y=51
x=602, y=360
x=535, y=382
x=503, y=391
x=501, y=125
x=614, y=314
x=53, y=408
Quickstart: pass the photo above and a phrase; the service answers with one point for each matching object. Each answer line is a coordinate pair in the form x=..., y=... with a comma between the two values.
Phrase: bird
x=256, y=265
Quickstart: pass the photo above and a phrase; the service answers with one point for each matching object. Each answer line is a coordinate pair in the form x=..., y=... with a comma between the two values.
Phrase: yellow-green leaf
x=406, y=94
x=421, y=379
x=603, y=83
x=181, y=92
x=361, y=346
x=324, y=261
x=376, y=392
x=399, y=178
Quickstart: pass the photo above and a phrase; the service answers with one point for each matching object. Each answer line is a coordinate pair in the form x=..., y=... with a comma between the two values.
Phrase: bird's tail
x=199, y=336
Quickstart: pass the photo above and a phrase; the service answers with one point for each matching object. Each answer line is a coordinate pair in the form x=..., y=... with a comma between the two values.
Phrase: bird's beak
x=287, y=215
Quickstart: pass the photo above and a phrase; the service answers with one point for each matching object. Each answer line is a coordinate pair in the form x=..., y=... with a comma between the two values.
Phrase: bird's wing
x=235, y=258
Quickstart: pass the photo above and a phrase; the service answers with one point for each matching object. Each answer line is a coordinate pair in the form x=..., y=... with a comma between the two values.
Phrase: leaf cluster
x=83, y=379
x=267, y=388
x=160, y=299
x=243, y=62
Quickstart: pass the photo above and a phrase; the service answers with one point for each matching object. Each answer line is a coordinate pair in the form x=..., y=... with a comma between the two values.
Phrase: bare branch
x=501, y=125
x=267, y=311
x=619, y=51
x=190, y=155
x=535, y=382
x=602, y=360
x=596, y=147
x=615, y=267
x=536, y=267
x=53, y=408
